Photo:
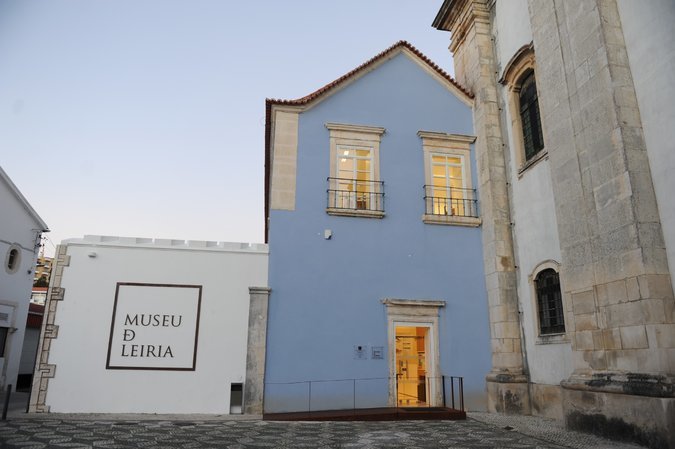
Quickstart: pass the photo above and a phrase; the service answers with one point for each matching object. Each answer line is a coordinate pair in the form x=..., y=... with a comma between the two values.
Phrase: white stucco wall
x=225, y=271
x=30, y=345
x=19, y=229
x=651, y=56
x=535, y=228
x=513, y=24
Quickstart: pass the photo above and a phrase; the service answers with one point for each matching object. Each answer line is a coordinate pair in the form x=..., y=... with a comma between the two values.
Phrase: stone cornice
x=458, y=16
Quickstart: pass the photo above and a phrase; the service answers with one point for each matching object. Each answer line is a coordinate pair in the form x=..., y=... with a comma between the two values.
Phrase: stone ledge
x=638, y=384
x=451, y=220
x=355, y=213
x=506, y=378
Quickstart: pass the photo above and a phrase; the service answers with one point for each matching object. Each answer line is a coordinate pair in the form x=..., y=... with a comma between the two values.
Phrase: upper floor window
x=449, y=197
x=549, y=302
x=523, y=99
x=448, y=188
x=354, y=185
x=533, y=140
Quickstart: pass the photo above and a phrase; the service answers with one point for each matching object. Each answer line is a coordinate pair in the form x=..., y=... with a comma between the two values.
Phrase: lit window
x=449, y=197
x=354, y=181
x=447, y=185
x=354, y=187
x=549, y=302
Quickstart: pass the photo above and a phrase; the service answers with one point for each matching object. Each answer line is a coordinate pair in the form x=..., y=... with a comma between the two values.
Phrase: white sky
x=145, y=118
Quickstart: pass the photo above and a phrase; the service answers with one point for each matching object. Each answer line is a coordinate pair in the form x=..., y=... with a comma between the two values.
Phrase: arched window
x=549, y=302
x=533, y=141
x=13, y=259
x=523, y=104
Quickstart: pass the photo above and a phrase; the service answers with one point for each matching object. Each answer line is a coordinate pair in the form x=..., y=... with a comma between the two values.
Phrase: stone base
x=546, y=401
x=508, y=393
x=591, y=406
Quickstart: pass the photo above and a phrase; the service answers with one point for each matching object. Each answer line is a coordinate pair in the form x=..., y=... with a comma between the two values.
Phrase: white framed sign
x=154, y=327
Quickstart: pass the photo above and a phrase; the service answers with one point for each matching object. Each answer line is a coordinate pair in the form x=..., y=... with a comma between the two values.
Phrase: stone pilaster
x=43, y=369
x=472, y=48
x=615, y=270
x=254, y=387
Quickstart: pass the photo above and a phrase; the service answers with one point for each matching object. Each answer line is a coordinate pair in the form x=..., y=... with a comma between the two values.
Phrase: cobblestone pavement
x=31, y=432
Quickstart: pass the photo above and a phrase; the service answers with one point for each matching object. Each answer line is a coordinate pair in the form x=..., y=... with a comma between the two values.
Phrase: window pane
x=439, y=182
x=549, y=301
x=436, y=159
x=530, y=118
x=454, y=160
x=346, y=164
x=438, y=170
x=456, y=172
x=363, y=153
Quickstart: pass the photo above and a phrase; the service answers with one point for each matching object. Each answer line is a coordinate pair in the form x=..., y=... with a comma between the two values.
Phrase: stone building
x=574, y=111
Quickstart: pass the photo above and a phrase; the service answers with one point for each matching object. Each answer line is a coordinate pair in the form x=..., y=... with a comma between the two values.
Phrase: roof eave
x=442, y=15
x=24, y=202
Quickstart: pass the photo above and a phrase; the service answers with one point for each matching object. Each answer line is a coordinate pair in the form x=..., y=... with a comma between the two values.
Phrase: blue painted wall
x=326, y=293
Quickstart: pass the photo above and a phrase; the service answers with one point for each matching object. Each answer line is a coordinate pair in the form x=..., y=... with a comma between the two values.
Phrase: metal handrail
x=454, y=380
x=359, y=195
x=460, y=202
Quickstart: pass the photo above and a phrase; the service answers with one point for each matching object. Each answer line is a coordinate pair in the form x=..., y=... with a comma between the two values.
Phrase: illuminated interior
x=447, y=185
x=411, y=366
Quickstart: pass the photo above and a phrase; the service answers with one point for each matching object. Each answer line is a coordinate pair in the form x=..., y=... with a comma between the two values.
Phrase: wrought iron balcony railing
x=355, y=194
x=450, y=201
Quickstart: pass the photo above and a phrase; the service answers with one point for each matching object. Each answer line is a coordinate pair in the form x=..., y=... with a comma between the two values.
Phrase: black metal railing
x=459, y=403
x=450, y=201
x=355, y=194
x=354, y=394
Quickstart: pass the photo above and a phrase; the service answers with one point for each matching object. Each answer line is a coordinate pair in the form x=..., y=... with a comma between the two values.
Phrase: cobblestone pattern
x=549, y=430
x=48, y=433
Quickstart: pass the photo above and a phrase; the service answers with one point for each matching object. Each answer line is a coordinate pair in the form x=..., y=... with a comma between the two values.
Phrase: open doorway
x=412, y=348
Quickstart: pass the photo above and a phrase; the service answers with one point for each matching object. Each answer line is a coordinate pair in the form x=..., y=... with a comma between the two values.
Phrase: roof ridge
x=402, y=43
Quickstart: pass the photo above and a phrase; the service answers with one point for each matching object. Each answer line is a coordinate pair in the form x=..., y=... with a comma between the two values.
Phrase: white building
x=20, y=231
x=150, y=326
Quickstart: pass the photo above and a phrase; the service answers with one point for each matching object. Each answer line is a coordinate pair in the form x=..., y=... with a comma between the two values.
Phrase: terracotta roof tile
x=317, y=93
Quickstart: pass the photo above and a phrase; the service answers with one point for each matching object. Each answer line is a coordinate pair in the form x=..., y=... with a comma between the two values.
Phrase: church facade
x=573, y=115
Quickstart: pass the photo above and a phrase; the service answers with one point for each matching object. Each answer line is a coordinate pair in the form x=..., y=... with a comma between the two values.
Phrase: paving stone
x=481, y=430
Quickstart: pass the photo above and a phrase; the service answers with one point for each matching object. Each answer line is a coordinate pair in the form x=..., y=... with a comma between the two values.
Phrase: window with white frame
x=449, y=196
x=354, y=185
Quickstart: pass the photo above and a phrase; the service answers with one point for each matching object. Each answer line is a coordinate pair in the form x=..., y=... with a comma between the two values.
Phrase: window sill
x=451, y=220
x=543, y=154
x=552, y=339
x=355, y=213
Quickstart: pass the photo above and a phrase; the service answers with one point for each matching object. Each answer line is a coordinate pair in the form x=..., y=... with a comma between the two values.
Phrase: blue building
x=375, y=256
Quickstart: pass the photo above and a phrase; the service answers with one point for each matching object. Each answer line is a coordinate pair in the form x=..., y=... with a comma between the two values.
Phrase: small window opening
x=3, y=340
x=12, y=260
x=236, y=396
